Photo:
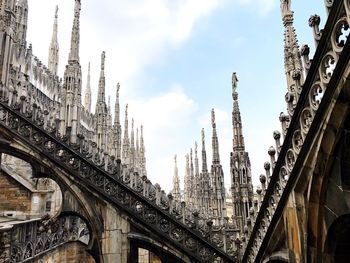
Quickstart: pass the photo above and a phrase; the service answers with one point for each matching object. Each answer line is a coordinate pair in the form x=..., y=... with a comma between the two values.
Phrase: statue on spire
x=103, y=57
x=285, y=6
x=203, y=136
x=213, y=118
x=56, y=12
x=234, y=82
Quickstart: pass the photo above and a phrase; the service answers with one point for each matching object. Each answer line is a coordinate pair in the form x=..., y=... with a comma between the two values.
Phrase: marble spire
x=87, y=98
x=75, y=37
x=54, y=47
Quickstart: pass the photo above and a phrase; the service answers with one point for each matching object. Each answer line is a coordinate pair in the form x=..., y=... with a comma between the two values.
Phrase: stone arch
x=36, y=196
x=165, y=254
x=43, y=168
x=327, y=194
x=277, y=257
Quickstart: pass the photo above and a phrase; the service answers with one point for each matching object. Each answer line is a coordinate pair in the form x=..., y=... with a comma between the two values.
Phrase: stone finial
x=271, y=151
x=314, y=23
x=305, y=51
x=276, y=135
x=262, y=179
x=258, y=190
x=267, y=166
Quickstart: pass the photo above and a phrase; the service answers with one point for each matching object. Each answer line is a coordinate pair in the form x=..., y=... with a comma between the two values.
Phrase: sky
x=174, y=60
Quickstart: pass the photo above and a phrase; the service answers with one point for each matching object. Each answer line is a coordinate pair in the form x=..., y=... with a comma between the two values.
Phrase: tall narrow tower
x=217, y=178
x=54, y=48
x=21, y=22
x=187, y=182
x=205, y=184
x=101, y=108
x=176, y=183
x=143, y=170
x=7, y=39
x=126, y=142
x=71, y=90
x=132, y=146
x=241, y=180
x=117, y=127
x=87, y=98
x=197, y=192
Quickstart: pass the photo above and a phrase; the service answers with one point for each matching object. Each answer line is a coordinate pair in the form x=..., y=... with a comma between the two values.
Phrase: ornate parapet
x=31, y=239
x=319, y=89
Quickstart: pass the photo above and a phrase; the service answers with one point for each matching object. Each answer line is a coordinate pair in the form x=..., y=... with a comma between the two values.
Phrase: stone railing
x=324, y=72
x=24, y=241
x=97, y=170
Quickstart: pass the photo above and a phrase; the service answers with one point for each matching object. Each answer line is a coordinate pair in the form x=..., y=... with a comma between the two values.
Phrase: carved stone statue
x=234, y=82
x=213, y=117
x=285, y=6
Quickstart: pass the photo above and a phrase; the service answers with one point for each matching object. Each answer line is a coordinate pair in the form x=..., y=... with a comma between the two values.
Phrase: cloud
x=166, y=118
x=172, y=109
x=134, y=34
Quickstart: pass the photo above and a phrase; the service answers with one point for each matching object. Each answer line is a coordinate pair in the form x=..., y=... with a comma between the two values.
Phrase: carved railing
x=330, y=59
x=97, y=170
x=22, y=242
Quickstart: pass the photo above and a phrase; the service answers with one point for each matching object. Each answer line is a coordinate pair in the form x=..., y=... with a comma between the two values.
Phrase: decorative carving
x=44, y=236
x=313, y=90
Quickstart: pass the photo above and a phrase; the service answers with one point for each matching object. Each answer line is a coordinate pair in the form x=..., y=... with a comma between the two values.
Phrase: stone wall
x=13, y=196
x=69, y=253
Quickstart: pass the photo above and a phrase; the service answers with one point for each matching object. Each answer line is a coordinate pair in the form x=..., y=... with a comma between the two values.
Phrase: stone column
x=115, y=244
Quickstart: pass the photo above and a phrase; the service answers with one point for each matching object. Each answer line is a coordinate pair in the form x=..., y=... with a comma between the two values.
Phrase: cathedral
x=74, y=185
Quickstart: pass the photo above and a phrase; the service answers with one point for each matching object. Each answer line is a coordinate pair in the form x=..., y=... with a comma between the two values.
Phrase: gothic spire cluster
x=73, y=119
x=204, y=191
